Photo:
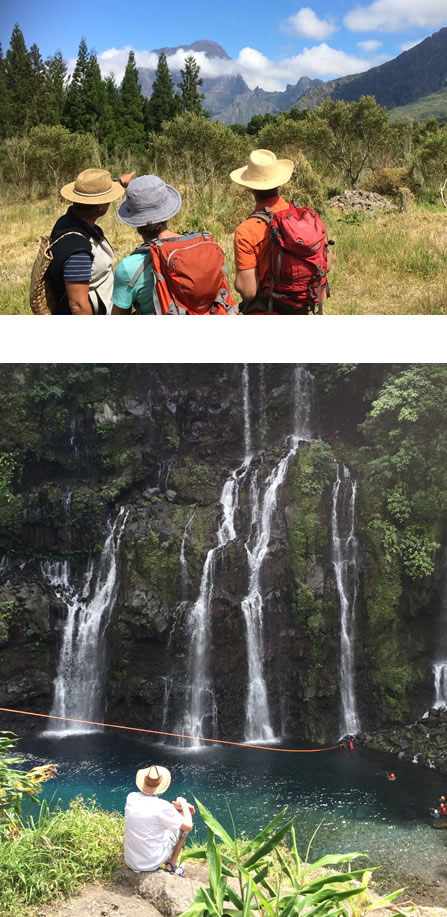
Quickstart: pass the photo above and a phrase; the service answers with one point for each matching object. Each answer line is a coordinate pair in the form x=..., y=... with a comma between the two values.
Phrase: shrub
x=196, y=150
x=388, y=181
x=55, y=156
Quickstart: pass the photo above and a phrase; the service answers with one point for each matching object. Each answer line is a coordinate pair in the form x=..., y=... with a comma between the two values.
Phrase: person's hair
x=84, y=208
x=152, y=229
x=263, y=195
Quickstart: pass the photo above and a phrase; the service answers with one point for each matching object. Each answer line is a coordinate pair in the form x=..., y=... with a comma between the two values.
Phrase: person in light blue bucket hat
x=148, y=205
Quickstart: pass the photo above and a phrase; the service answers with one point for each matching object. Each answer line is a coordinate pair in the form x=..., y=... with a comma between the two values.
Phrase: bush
x=388, y=181
x=196, y=150
x=55, y=156
x=283, y=136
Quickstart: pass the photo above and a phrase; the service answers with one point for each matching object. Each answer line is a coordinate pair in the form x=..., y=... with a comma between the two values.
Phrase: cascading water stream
x=79, y=679
x=184, y=574
x=257, y=720
x=201, y=717
x=345, y=560
x=440, y=674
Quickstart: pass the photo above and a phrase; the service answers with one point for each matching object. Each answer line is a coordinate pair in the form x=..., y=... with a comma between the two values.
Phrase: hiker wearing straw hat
x=263, y=175
x=155, y=830
x=81, y=267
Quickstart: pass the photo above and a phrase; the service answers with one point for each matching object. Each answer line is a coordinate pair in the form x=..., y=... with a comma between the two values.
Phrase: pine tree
x=56, y=71
x=131, y=127
x=4, y=99
x=109, y=121
x=190, y=97
x=39, y=97
x=94, y=95
x=75, y=111
x=163, y=105
x=19, y=82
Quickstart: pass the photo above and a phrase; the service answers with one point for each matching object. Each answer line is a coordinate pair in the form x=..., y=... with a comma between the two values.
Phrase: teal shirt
x=141, y=295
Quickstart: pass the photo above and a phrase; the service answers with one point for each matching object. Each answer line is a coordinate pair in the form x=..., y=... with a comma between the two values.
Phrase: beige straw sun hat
x=153, y=780
x=264, y=171
x=93, y=186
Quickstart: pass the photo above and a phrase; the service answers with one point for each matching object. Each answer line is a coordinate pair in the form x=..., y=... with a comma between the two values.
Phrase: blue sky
x=271, y=44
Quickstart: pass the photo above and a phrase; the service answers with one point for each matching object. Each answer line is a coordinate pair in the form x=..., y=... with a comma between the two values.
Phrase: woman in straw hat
x=81, y=269
x=154, y=829
x=263, y=176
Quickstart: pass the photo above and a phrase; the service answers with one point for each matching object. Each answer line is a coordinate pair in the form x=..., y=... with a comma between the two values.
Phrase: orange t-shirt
x=251, y=241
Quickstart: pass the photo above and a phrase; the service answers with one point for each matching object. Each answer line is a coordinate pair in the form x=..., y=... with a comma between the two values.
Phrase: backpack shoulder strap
x=65, y=234
x=264, y=216
x=147, y=260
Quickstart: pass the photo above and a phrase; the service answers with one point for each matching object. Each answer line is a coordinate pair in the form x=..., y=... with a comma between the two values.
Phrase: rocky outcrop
x=423, y=742
x=360, y=202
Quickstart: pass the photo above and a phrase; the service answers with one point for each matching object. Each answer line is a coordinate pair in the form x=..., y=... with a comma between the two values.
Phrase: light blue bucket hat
x=149, y=200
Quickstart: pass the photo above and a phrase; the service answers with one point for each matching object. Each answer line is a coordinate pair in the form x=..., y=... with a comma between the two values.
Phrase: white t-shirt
x=150, y=828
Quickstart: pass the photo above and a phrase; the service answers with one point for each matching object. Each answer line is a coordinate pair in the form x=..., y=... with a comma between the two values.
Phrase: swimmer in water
x=390, y=776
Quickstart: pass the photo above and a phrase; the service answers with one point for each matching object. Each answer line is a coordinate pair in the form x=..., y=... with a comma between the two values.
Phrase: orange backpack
x=190, y=275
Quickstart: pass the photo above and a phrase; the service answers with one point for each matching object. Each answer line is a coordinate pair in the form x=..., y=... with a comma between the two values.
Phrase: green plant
x=56, y=853
x=259, y=887
x=15, y=785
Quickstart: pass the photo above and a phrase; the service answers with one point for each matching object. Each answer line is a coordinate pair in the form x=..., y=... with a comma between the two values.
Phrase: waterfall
x=184, y=574
x=345, y=560
x=246, y=409
x=257, y=718
x=79, y=678
x=440, y=673
x=201, y=708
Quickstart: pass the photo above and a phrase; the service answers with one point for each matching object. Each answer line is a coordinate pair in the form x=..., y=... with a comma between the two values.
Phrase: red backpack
x=190, y=275
x=299, y=258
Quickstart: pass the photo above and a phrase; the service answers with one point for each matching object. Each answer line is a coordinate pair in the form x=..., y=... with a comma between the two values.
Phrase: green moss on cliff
x=308, y=534
x=157, y=560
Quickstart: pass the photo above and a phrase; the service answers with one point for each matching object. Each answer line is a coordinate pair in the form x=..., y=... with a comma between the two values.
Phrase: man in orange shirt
x=263, y=175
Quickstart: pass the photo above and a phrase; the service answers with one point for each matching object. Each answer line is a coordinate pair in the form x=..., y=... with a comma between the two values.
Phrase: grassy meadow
x=384, y=264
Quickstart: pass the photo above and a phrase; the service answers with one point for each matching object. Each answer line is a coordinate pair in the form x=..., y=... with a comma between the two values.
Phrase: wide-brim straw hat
x=264, y=171
x=153, y=780
x=93, y=186
x=149, y=200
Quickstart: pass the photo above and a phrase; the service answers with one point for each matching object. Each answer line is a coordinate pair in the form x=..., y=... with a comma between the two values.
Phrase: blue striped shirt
x=78, y=268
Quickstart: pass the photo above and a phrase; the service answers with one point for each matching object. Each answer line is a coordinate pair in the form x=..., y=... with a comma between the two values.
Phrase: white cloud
x=318, y=61
x=407, y=45
x=370, y=45
x=307, y=24
x=394, y=15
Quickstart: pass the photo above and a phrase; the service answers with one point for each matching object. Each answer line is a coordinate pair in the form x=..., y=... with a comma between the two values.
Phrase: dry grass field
x=385, y=264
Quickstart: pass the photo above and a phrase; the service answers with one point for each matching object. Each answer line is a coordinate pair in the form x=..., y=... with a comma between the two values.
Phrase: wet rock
x=171, y=496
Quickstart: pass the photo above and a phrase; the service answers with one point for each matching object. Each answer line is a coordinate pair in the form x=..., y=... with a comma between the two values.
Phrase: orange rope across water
x=173, y=735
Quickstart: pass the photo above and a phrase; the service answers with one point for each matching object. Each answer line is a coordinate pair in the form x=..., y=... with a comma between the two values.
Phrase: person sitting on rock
x=155, y=830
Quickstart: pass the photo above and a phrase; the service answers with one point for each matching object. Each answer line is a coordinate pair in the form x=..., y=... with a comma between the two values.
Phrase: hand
x=178, y=804
x=125, y=179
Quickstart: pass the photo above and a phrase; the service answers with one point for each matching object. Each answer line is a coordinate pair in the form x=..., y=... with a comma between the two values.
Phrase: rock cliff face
x=161, y=441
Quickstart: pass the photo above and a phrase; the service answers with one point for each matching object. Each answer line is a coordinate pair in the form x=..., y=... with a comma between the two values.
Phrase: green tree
x=163, y=105
x=192, y=146
x=94, y=96
x=433, y=156
x=4, y=98
x=56, y=72
x=190, y=97
x=348, y=136
x=56, y=155
x=19, y=82
x=109, y=121
x=39, y=88
x=131, y=130
x=75, y=110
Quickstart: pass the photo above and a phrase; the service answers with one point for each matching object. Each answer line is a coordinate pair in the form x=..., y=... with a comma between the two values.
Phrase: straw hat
x=93, y=186
x=153, y=780
x=149, y=200
x=264, y=171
